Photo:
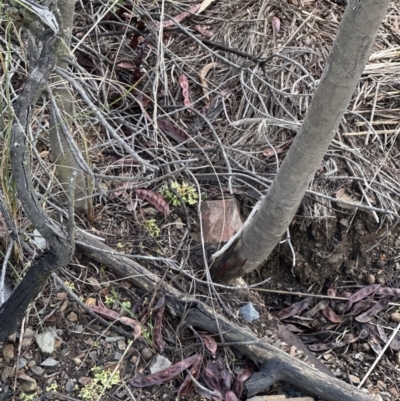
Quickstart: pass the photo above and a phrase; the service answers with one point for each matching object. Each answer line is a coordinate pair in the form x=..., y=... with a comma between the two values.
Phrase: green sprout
x=103, y=379
x=152, y=228
x=28, y=397
x=52, y=387
x=186, y=191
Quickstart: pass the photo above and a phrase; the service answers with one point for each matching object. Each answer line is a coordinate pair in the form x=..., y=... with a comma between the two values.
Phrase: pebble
x=370, y=279
x=8, y=352
x=37, y=370
x=147, y=353
x=28, y=386
x=395, y=317
x=72, y=317
x=45, y=341
x=159, y=363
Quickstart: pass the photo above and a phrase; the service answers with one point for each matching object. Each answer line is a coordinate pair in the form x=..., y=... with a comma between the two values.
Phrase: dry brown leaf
x=202, y=75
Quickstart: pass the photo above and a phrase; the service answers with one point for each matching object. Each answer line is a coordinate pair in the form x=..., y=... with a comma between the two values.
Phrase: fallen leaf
x=163, y=375
x=210, y=343
x=184, y=83
x=276, y=24
x=371, y=313
x=295, y=309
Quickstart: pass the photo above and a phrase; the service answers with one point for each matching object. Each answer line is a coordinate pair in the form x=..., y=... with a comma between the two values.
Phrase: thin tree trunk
x=65, y=101
x=350, y=53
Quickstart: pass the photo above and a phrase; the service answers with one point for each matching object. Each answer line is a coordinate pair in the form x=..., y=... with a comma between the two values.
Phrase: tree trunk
x=65, y=101
x=350, y=52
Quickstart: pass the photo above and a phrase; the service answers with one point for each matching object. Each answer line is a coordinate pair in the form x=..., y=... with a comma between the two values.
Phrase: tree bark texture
x=61, y=246
x=350, y=52
x=61, y=152
x=276, y=365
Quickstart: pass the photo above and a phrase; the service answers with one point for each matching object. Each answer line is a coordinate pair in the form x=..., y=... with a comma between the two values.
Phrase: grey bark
x=350, y=52
x=60, y=243
x=65, y=102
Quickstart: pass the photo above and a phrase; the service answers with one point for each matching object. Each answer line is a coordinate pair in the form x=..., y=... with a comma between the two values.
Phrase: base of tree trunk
x=275, y=364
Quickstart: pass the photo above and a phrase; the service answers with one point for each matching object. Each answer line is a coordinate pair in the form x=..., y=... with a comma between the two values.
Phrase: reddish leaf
x=231, y=396
x=203, y=31
x=210, y=343
x=331, y=315
x=159, y=342
x=155, y=199
x=295, y=309
x=188, y=384
x=394, y=292
x=210, y=375
x=364, y=292
x=172, y=130
x=165, y=374
x=244, y=374
x=181, y=17
x=227, y=379
x=361, y=306
x=359, y=295
x=382, y=333
x=370, y=314
x=276, y=24
x=184, y=83
x=112, y=315
x=317, y=308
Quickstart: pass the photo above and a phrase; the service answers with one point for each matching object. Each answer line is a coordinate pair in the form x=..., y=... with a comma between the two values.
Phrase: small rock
x=381, y=385
x=84, y=380
x=147, y=353
x=39, y=240
x=90, y=301
x=45, y=341
x=64, y=306
x=93, y=355
x=27, y=338
x=62, y=296
x=159, y=363
x=37, y=370
x=370, y=279
x=21, y=363
x=69, y=385
x=114, y=339
x=49, y=362
x=395, y=317
x=354, y=379
x=381, y=280
x=8, y=352
x=248, y=312
x=117, y=356
x=221, y=219
x=28, y=386
x=380, y=264
x=72, y=317
x=121, y=345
